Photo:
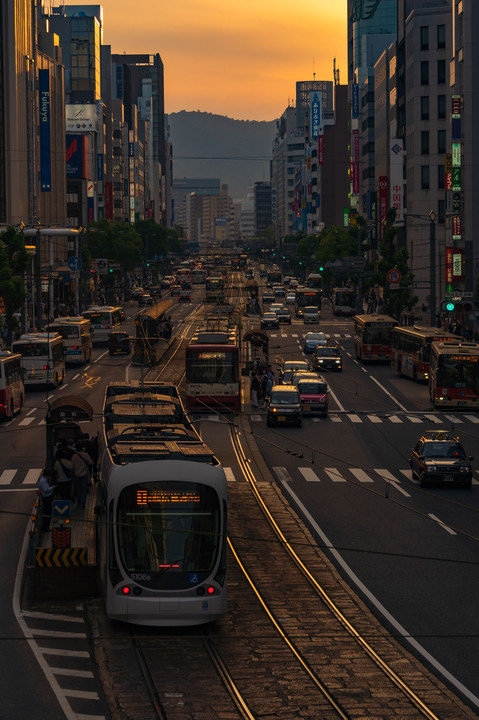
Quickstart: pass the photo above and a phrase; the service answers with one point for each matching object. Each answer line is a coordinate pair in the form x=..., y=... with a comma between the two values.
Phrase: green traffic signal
x=450, y=306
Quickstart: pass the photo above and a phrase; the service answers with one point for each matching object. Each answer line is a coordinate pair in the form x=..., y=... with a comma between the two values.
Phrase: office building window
x=424, y=142
x=425, y=107
x=441, y=142
x=441, y=72
x=441, y=36
x=424, y=72
x=440, y=177
x=424, y=37
x=425, y=177
x=441, y=107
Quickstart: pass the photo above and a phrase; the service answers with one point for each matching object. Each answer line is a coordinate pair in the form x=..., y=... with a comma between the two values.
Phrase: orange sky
x=240, y=59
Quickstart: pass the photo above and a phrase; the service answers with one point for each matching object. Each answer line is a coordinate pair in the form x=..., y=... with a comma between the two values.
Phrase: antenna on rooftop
x=314, y=74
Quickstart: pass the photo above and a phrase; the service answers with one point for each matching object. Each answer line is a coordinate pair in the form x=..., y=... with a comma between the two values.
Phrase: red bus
x=12, y=390
x=372, y=336
x=212, y=370
x=411, y=349
x=454, y=374
x=343, y=301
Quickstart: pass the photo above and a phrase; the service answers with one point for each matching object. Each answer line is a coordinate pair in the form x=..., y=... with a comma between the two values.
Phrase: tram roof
x=129, y=444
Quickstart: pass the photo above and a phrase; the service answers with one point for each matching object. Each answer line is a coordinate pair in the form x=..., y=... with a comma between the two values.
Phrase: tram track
x=376, y=671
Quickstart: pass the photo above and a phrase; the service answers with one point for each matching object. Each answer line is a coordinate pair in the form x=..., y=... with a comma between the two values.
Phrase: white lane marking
x=408, y=475
x=98, y=358
x=255, y=418
x=230, y=476
x=434, y=418
x=73, y=673
x=354, y=418
x=443, y=525
x=32, y=476
x=395, y=419
x=26, y=421
x=62, y=387
x=364, y=370
x=7, y=476
x=88, y=366
x=334, y=475
x=76, y=376
x=386, y=475
x=282, y=474
x=309, y=474
x=335, y=418
x=414, y=419
x=400, y=629
x=374, y=419
x=336, y=400
x=388, y=393
x=31, y=411
x=347, y=336
x=472, y=418
x=454, y=419
x=361, y=475
x=294, y=335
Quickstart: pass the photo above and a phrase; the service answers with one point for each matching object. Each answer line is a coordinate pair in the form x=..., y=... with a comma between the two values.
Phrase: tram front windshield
x=211, y=366
x=169, y=529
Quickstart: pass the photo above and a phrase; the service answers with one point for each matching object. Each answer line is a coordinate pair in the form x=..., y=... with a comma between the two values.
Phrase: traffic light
x=321, y=268
x=447, y=306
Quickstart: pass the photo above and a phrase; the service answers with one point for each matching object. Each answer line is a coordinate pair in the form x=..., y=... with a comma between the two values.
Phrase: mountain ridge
x=207, y=145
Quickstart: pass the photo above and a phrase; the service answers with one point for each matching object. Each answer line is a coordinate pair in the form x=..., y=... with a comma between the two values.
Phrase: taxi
x=439, y=458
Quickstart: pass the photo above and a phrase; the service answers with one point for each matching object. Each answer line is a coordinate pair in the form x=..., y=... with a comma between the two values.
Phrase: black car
x=184, y=296
x=439, y=457
x=268, y=297
x=283, y=315
x=269, y=320
x=326, y=357
x=119, y=341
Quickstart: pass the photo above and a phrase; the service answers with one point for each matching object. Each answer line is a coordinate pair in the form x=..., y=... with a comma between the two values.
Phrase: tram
x=162, y=517
x=212, y=369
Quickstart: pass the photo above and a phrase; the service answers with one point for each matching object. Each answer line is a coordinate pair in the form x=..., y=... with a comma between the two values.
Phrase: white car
x=290, y=298
x=310, y=314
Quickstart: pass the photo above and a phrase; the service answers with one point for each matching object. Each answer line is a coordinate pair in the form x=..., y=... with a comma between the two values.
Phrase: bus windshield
x=458, y=372
x=67, y=331
x=377, y=335
x=166, y=527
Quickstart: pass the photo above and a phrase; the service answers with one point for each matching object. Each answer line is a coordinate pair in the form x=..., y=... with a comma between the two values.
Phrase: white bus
x=104, y=319
x=42, y=358
x=76, y=335
x=12, y=391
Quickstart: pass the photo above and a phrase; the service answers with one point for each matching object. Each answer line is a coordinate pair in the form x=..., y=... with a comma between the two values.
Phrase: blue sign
x=355, y=112
x=456, y=128
x=45, y=142
x=315, y=114
x=74, y=263
x=61, y=508
x=99, y=170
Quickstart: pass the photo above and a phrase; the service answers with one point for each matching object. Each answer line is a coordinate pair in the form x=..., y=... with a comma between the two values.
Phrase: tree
x=14, y=261
x=118, y=242
x=394, y=301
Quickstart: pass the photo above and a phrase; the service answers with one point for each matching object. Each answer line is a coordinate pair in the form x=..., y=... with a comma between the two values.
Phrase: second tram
x=212, y=370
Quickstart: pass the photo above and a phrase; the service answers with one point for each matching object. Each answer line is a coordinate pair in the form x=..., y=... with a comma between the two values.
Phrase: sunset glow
x=236, y=59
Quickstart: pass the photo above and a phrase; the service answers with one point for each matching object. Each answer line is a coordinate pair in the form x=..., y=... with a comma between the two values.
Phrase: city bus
x=314, y=280
x=343, y=301
x=76, y=335
x=12, y=390
x=212, y=370
x=43, y=361
x=104, y=319
x=454, y=374
x=372, y=336
x=306, y=297
x=411, y=349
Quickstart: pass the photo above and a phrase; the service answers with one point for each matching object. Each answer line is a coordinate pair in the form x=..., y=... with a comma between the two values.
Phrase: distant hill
x=216, y=140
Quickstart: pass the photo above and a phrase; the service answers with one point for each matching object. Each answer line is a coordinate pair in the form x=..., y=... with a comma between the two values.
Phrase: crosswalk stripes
x=374, y=418
x=230, y=476
x=472, y=418
x=353, y=475
x=309, y=474
x=334, y=475
x=32, y=476
x=361, y=475
x=7, y=476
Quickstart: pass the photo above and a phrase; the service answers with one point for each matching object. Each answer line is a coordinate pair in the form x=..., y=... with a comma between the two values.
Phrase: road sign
x=393, y=275
x=61, y=508
x=102, y=266
x=74, y=263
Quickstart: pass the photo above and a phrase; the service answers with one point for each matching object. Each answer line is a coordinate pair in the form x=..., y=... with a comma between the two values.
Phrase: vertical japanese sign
x=448, y=171
x=383, y=203
x=449, y=265
x=355, y=100
x=396, y=176
x=316, y=114
x=45, y=141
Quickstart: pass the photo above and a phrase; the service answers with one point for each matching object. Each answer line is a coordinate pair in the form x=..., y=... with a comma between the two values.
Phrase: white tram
x=162, y=518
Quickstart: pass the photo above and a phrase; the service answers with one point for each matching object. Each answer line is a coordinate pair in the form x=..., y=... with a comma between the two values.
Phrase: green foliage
x=394, y=301
x=14, y=261
x=119, y=242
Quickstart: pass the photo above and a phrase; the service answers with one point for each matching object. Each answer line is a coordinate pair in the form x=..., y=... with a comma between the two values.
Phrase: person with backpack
x=63, y=469
x=82, y=464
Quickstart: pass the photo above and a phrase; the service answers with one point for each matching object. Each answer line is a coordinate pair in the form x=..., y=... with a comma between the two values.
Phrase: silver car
x=310, y=314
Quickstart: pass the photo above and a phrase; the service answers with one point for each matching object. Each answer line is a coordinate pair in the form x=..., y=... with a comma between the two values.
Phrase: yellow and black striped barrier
x=61, y=557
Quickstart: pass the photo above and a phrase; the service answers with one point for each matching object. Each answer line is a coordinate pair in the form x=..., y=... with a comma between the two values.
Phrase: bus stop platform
x=61, y=563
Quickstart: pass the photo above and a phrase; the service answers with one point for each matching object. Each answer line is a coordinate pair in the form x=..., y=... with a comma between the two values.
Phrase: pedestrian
x=264, y=384
x=46, y=487
x=92, y=450
x=63, y=469
x=82, y=464
x=254, y=387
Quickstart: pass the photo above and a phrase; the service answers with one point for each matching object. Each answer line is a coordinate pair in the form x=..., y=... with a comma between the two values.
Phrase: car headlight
x=337, y=361
x=431, y=468
x=465, y=468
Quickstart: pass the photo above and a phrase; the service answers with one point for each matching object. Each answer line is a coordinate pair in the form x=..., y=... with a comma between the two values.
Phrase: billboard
x=396, y=159
x=316, y=114
x=45, y=143
x=78, y=156
x=80, y=118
